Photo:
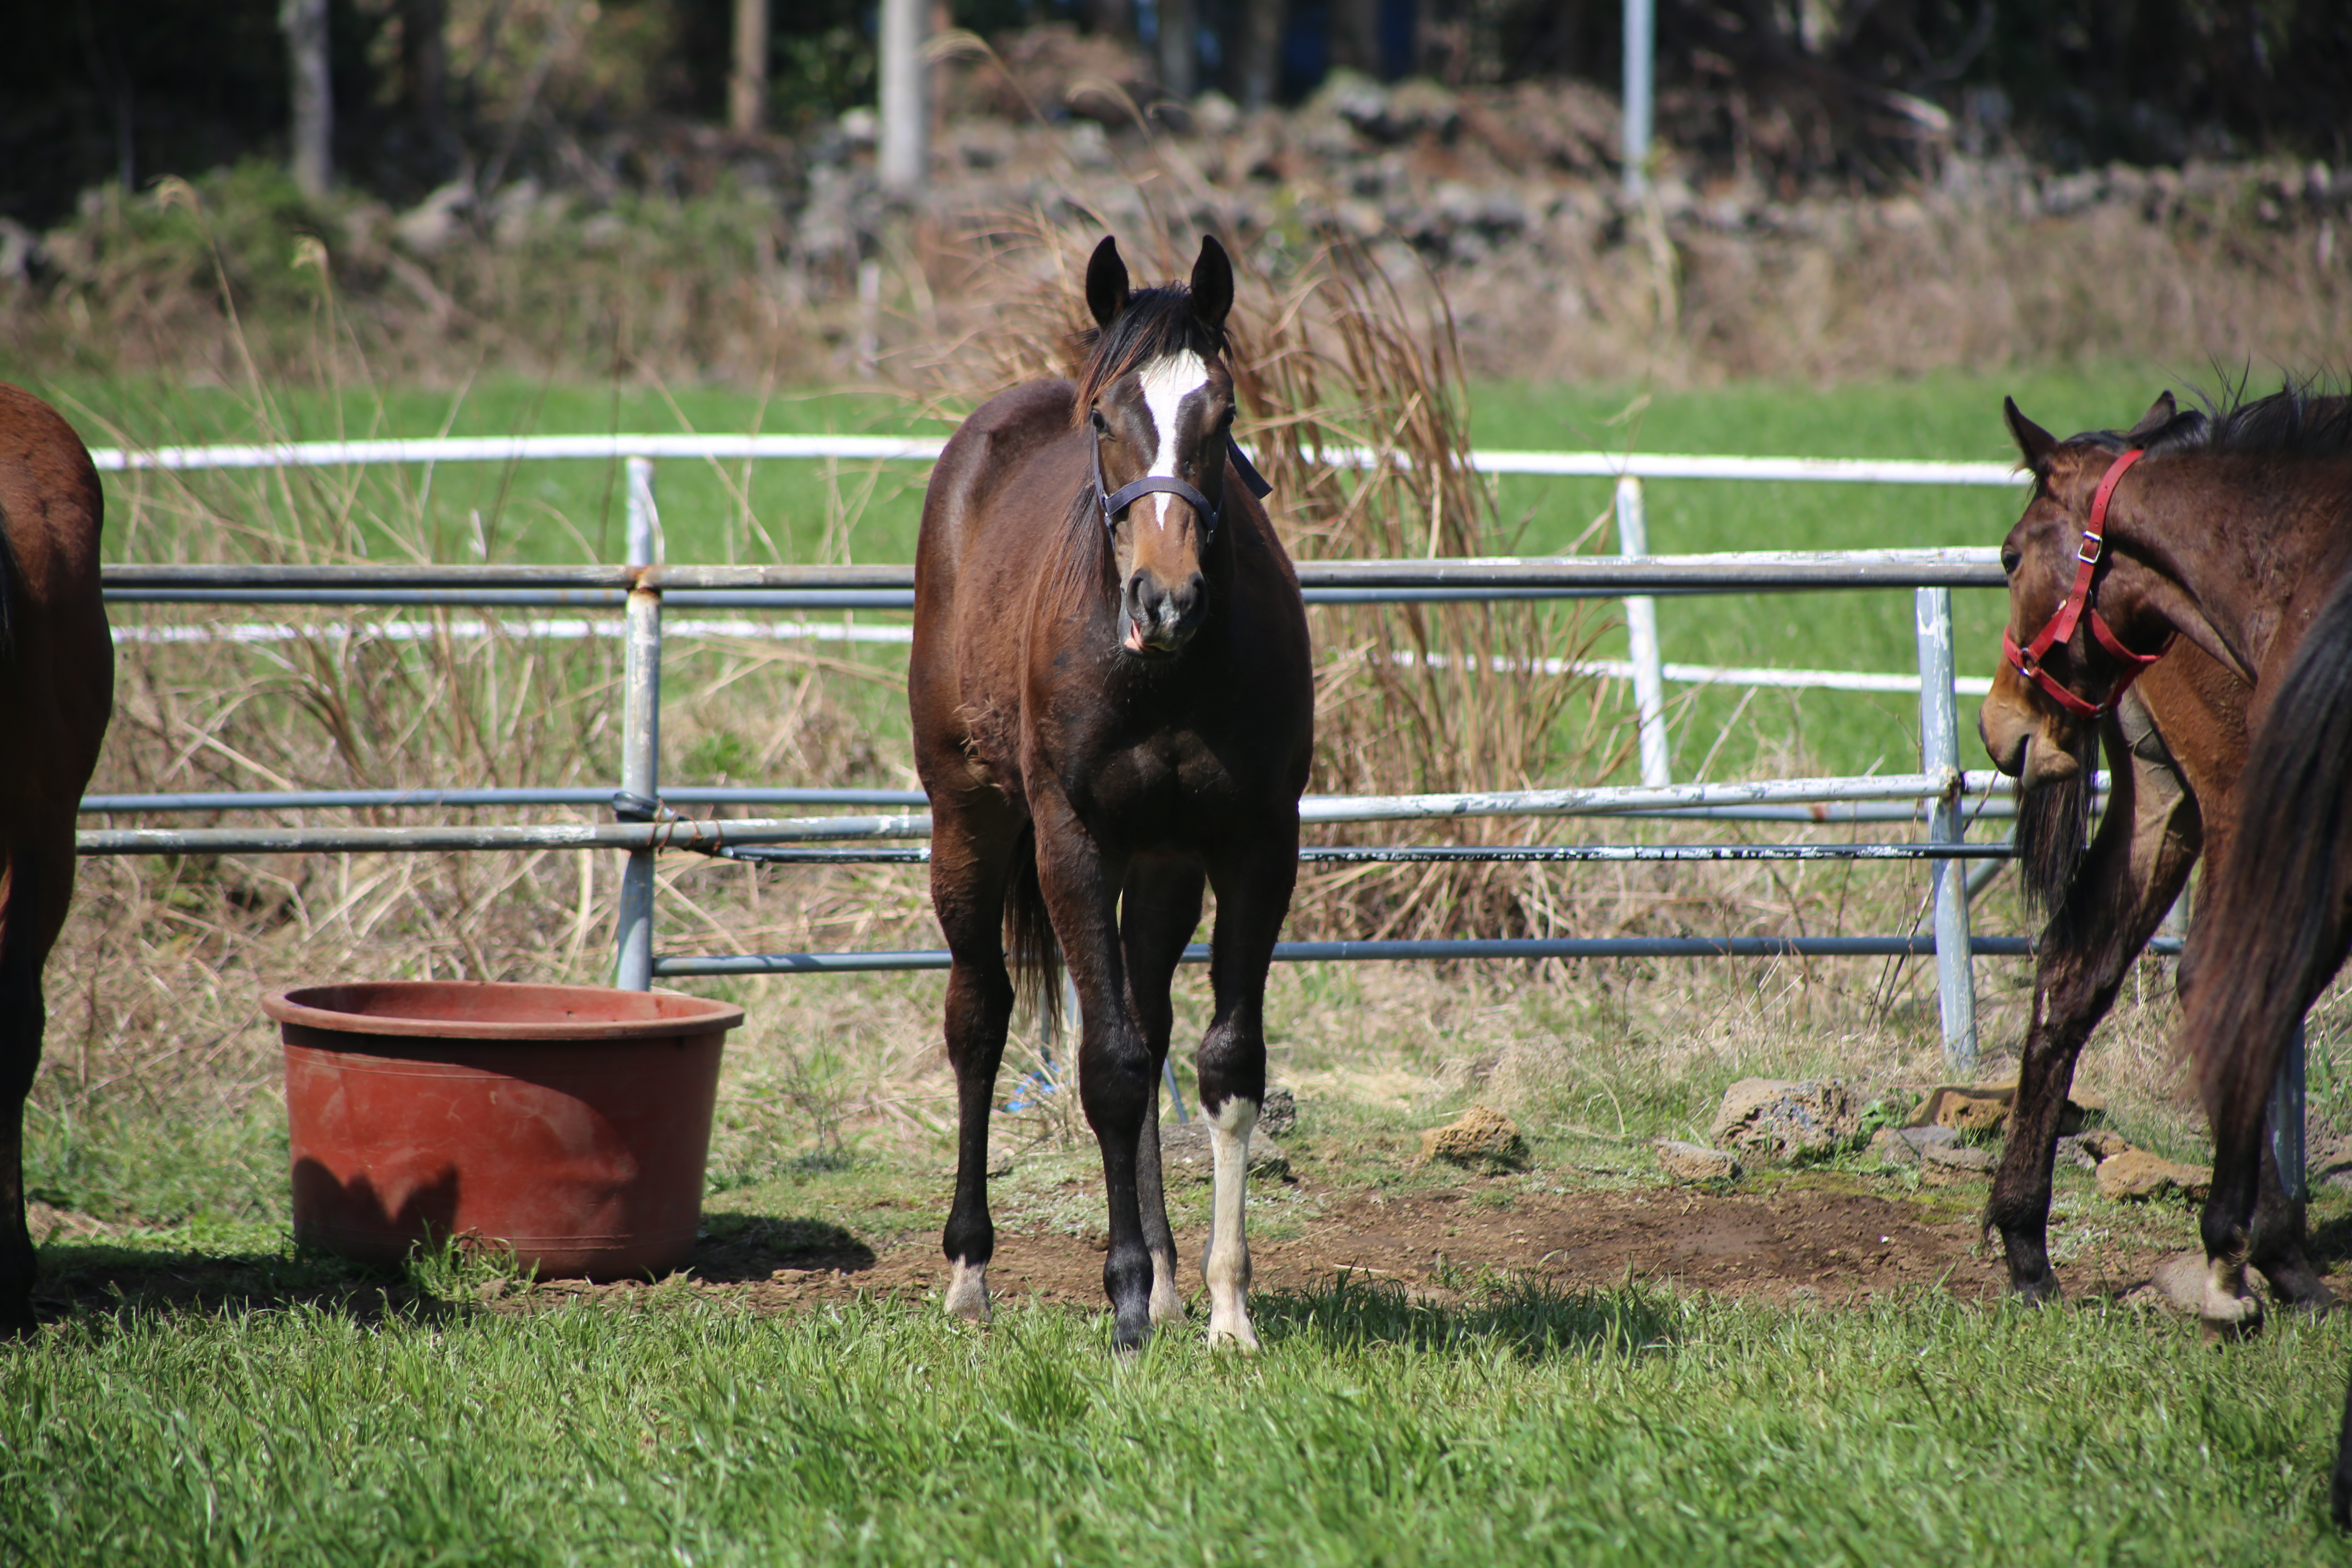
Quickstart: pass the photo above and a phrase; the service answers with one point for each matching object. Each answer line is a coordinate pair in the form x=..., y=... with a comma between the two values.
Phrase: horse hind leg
x=40, y=884
x=969, y=879
x=2275, y=1240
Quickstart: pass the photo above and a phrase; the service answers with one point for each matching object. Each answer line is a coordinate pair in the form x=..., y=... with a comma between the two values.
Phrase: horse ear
x=1106, y=283
x=1213, y=284
x=2160, y=413
x=2032, y=440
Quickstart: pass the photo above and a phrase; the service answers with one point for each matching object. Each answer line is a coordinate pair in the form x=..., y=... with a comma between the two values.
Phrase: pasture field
x=1575, y=1362
x=209, y=1395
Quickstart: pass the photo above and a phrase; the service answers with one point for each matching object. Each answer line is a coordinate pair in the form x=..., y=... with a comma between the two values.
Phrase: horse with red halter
x=1113, y=704
x=2234, y=532
x=57, y=691
x=2174, y=742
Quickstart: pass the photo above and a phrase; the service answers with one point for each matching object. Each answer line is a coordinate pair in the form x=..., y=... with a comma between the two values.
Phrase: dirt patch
x=1827, y=1244
x=1830, y=1242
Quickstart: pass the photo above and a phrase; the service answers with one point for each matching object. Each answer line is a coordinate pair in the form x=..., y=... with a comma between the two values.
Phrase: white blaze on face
x=1166, y=385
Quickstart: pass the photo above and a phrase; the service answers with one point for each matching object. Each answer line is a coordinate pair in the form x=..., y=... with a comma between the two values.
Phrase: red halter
x=2028, y=659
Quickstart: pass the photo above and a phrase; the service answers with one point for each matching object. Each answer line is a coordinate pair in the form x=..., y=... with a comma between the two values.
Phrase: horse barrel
x=571, y=1124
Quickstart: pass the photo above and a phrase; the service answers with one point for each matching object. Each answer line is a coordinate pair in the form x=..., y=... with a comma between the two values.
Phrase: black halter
x=1115, y=502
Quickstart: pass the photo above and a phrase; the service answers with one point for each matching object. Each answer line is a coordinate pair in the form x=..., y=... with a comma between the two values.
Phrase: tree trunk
x=1111, y=18
x=747, y=87
x=305, y=26
x=1253, y=69
x=1356, y=36
x=1180, y=47
x=424, y=71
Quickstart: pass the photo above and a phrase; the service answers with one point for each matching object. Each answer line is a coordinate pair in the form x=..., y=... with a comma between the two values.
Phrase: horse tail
x=9, y=576
x=2269, y=937
x=1037, y=957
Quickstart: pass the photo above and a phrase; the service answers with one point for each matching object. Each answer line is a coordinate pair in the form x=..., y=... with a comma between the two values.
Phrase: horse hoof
x=967, y=1295
x=2300, y=1291
x=1238, y=1336
x=2041, y=1292
x=2228, y=1328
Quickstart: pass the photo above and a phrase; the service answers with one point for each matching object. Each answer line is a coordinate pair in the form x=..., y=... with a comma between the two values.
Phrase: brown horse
x=2175, y=744
x=2233, y=531
x=57, y=691
x=1113, y=702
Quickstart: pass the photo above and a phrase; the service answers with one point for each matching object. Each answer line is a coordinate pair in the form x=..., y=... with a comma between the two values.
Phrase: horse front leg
x=1117, y=1075
x=2136, y=866
x=1159, y=911
x=1253, y=886
x=972, y=853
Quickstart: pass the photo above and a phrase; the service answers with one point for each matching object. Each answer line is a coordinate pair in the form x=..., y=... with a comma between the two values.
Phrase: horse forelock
x=1158, y=325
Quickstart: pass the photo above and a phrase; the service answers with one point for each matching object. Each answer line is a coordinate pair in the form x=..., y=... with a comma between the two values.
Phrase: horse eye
x=1101, y=427
x=2008, y=560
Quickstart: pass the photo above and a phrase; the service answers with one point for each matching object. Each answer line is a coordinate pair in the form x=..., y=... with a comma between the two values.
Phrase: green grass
x=1523, y=1427
x=572, y=512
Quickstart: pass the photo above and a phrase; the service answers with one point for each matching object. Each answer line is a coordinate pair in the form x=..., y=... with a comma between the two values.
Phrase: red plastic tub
x=568, y=1123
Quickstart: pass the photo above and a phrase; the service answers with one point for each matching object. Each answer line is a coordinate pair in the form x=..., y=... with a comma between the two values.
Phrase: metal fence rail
x=644, y=588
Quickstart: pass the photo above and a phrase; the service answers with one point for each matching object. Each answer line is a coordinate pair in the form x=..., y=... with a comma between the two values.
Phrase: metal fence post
x=2287, y=1118
x=1642, y=638
x=640, y=734
x=1641, y=68
x=1939, y=752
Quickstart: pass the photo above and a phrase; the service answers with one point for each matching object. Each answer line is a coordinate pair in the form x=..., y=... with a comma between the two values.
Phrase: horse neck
x=2239, y=541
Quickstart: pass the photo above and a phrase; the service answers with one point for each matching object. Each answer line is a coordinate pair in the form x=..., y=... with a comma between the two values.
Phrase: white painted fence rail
x=924, y=448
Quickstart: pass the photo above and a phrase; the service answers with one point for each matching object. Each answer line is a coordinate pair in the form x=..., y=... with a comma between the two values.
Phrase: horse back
x=56, y=662
x=994, y=510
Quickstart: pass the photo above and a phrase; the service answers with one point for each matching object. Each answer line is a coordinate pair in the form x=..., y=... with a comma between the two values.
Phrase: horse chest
x=1172, y=782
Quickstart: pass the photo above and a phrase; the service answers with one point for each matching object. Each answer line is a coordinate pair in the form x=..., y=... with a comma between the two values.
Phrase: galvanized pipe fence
x=646, y=820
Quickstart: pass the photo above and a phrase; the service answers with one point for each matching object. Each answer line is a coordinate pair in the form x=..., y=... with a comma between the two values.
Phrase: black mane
x=2304, y=419
x=1157, y=323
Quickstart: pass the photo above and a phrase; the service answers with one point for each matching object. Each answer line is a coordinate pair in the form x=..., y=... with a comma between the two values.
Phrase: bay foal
x=1113, y=705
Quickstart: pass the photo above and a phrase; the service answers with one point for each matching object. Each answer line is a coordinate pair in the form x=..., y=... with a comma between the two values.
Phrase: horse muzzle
x=1156, y=618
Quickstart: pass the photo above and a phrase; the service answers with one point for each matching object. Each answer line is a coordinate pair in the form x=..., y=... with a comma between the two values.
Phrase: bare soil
x=1827, y=1239
x=1831, y=1244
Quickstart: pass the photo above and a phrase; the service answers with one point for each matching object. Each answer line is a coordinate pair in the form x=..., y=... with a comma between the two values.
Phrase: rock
x=1984, y=1107
x=1482, y=1135
x=1185, y=1157
x=427, y=226
x=1958, y=1156
x=1695, y=1162
x=1777, y=1118
x=2327, y=1161
x=2087, y=1149
x=1965, y=1108
x=1278, y=1112
x=2179, y=1281
x=2135, y=1176
x=2082, y=1112
x=1908, y=1145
